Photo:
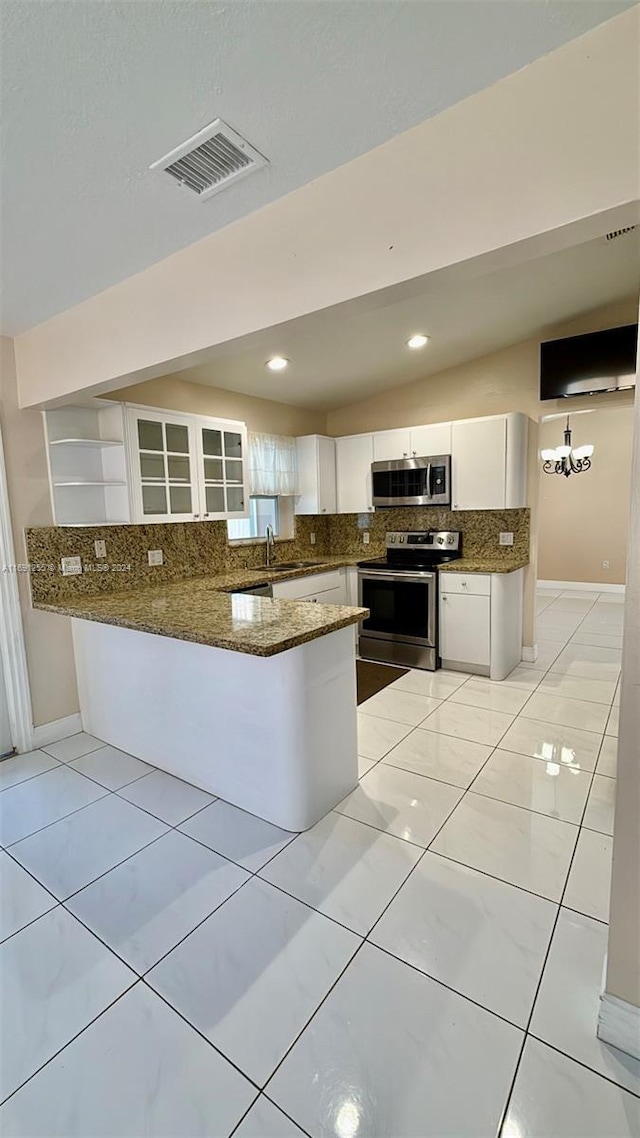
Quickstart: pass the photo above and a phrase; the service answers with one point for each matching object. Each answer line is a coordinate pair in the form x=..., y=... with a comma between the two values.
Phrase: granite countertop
x=484, y=565
x=201, y=611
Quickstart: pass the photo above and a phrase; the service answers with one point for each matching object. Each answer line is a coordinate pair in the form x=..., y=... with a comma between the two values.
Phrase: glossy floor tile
x=495, y=697
x=56, y=978
x=548, y=788
x=167, y=798
x=553, y=743
x=608, y=757
x=439, y=684
x=110, y=767
x=613, y=722
x=408, y=805
x=481, y=937
x=145, y=906
x=477, y=724
x=38, y=802
x=265, y=1120
x=395, y=1064
x=241, y=837
x=139, y=1069
x=377, y=736
x=438, y=756
x=76, y=850
x=250, y=977
x=399, y=706
x=601, y=805
x=344, y=869
x=552, y=708
x=22, y=898
x=515, y=845
x=565, y=1014
x=553, y=1095
x=21, y=767
x=589, y=884
x=66, y=750
x=576, y=687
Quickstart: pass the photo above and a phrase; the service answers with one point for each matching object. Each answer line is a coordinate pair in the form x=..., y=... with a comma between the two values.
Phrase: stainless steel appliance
x=401, y=594
x=412, y=481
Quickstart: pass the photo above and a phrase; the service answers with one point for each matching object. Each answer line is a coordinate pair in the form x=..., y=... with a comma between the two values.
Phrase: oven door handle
x=365, y=575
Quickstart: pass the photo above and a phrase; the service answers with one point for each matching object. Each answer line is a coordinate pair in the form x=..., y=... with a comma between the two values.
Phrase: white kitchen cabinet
x=354, y=455
x=316, y=456
x=389, y=445
x=489, y=461
x=325, y=588
x=481, y=622
x=186, y=467
x=434, y=438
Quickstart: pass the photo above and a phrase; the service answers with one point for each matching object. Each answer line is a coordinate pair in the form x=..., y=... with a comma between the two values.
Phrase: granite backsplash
x=201, y=549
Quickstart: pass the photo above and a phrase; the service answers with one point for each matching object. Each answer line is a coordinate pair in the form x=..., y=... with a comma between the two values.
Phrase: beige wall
x=50, y=659
x=262, y=415
x=583, y=521
x=505, y=175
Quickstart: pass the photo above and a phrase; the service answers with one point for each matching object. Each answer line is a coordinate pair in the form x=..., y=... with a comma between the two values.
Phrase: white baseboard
x=529, y=653
x=57, y=729
x=619, y=1024
x=587, y=586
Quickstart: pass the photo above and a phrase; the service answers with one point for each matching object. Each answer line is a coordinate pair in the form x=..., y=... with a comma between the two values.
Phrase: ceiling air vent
x=211, y=159
x=620, y=232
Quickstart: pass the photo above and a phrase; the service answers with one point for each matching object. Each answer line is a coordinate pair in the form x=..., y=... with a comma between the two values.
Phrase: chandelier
x=564, y=459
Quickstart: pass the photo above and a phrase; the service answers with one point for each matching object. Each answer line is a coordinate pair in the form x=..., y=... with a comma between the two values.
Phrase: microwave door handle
x=429, y=494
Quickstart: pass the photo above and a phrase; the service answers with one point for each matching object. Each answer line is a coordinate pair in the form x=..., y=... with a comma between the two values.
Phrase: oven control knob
x=450, y=540
x=401, y=537
x=440, y=541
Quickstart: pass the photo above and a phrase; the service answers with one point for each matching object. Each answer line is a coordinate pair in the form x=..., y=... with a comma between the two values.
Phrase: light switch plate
x=506, y=539
x=155, y=556
x=365, y=537
x=71, y=566
x=100, y=548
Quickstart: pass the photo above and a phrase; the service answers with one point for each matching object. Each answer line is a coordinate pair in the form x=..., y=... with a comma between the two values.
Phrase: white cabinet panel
x=311, y=586
x=354, y=455
x=389, y=445
x=478, y=474
x=477, y=583
x=465, y=629
x=434, y=438
x=316, y=475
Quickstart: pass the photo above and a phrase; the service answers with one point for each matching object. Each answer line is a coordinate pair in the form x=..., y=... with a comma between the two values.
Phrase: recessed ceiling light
x=277, y=363
x=417, y=341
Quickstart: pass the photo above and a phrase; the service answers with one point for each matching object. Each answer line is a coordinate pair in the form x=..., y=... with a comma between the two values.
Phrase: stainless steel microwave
x=412, y=481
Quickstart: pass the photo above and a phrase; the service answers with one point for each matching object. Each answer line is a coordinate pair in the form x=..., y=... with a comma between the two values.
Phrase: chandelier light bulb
x=563, y=451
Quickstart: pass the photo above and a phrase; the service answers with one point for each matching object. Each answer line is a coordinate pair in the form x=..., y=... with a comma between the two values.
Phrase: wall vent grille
x=619, y=232
x=210, y=160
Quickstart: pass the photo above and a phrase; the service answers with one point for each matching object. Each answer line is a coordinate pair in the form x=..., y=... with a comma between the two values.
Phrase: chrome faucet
x=269, y=544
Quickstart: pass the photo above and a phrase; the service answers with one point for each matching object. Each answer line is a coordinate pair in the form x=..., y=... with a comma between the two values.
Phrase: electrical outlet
x=606, y=565
x=312, y=538
x=100, y=548
x=71, y=566
x=155, y=556
x=365, y=537
x=506, y=539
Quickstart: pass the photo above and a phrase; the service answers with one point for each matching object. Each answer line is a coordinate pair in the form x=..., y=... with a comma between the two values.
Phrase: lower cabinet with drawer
x=324, y=588
x=481, y=622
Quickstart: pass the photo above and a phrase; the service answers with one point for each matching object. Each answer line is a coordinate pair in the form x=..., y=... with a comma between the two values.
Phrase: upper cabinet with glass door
x=186, y=467
x=222, y=452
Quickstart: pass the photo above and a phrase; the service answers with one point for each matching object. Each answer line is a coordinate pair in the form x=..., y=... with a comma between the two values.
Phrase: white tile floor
x=425, y=962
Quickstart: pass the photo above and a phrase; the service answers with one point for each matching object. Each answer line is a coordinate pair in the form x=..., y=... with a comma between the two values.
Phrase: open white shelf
x=87, y=464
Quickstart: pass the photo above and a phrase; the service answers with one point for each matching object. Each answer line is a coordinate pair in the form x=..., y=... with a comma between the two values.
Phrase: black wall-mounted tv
x=586, y=365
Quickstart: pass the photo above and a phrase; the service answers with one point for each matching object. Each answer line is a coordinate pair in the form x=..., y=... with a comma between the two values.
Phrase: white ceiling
x=93, y=91
x=342, y=354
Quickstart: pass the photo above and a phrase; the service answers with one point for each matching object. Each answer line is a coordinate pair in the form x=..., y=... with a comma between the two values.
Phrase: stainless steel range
x=401, y=594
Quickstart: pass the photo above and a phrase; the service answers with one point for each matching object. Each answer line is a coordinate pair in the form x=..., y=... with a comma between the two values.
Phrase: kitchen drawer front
x=309, y=586
x=477, y=584
x=328, y=597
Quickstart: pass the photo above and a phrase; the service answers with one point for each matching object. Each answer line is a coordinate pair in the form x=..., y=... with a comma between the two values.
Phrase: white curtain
x=272, y=465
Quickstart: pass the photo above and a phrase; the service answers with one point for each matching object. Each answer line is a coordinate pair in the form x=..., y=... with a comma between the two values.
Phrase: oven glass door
x=401, y=606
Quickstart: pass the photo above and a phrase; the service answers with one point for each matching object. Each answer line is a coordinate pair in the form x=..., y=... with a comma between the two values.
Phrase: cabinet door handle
x=196, y=516
x=464, y=584
x=404, y=454
x=414, y=453
x=444, y=598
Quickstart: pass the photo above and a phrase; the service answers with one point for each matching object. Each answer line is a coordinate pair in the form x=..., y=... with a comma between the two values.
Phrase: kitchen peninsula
x=251, y=699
